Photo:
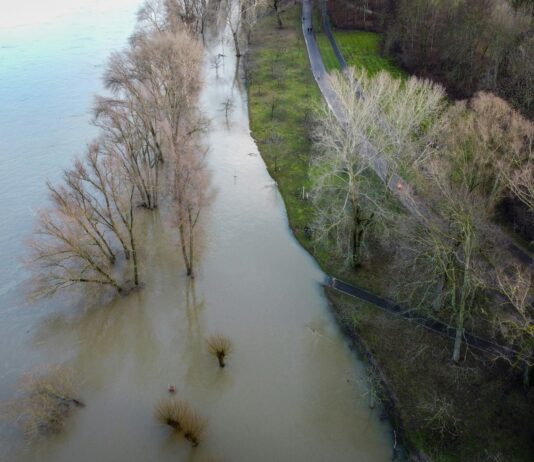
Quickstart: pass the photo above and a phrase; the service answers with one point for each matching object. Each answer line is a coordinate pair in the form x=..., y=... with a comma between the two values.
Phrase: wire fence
x=434, y=325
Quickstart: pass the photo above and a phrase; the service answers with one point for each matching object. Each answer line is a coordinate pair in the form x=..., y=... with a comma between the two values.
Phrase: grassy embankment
x=472, y=412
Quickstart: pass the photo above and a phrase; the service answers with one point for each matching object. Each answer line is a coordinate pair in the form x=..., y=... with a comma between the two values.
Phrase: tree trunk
x=276, y=10
x=191, y=273
x=134, y=261
x=188, y=267
x=236, y=44
x=357, y=236
x=438, y=299
x=458, y=344
x=463, y=295
x=527, y=372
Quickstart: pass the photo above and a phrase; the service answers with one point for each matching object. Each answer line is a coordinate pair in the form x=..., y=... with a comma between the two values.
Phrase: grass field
x=360, y=49
x=282, y=92
x=329, y=58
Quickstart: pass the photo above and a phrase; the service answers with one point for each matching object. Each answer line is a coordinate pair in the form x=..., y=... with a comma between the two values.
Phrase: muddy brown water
x=292, y=389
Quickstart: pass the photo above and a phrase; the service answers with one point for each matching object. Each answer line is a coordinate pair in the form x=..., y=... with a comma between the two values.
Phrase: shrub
x=44, y=401
x=219, y=346
x=181, y=418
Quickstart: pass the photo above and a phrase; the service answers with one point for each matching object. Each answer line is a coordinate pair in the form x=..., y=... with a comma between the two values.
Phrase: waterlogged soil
x=292, y=389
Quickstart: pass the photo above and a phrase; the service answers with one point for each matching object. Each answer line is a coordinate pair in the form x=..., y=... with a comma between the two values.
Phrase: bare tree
x=393, y=124
x=487, y=133
x=242, y=16
x=129, y=133
x=216, y=62
x=100, y=185
x=276, y=8
x=397, y=120
x=446, y=247
x=154, y=83
x=220, y=346
x=172, y=16
x=64, y=255
x=273, y=141
x=44, y=400
x=234, y=20
x=149, y=121
x=76, y=239
x=464, y=176
x=346, y=201
x=516, y=322
x=189, y=191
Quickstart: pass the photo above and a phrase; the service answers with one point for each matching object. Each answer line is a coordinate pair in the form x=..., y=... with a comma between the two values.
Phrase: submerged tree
x=149, y=128
x=76, y=239
x=182, y=419
x=101, y=182
x=219, y=346
x=44, y=401
x=172, y=15
x=190, y=194
x=241, y=17
x=154, y=83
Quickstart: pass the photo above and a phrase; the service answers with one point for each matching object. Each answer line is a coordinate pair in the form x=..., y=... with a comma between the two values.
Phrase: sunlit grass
x=327, y=52
x=360, y=49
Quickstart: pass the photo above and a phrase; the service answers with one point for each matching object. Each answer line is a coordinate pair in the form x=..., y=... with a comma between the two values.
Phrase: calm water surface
x=292, y=390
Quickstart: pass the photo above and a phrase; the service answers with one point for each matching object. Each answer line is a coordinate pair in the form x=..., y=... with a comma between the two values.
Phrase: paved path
x=328, y=31
x=413, y=316
x=316, y=62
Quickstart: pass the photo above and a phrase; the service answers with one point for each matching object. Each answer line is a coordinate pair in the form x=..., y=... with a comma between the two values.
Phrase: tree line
x=147, y=154
x=453, y=260
x=468, y=45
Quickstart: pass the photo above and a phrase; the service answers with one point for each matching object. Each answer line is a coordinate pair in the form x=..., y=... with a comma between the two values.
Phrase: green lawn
x=327, y=52
x=360, y=49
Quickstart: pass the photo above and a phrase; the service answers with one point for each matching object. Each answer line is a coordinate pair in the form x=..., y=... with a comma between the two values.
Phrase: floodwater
x=292, y=390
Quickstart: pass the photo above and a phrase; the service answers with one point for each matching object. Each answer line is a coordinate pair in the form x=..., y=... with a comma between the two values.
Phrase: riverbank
x=476, y=411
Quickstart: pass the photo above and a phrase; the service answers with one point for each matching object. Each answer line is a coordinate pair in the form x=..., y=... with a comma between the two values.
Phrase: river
x=292, y=391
